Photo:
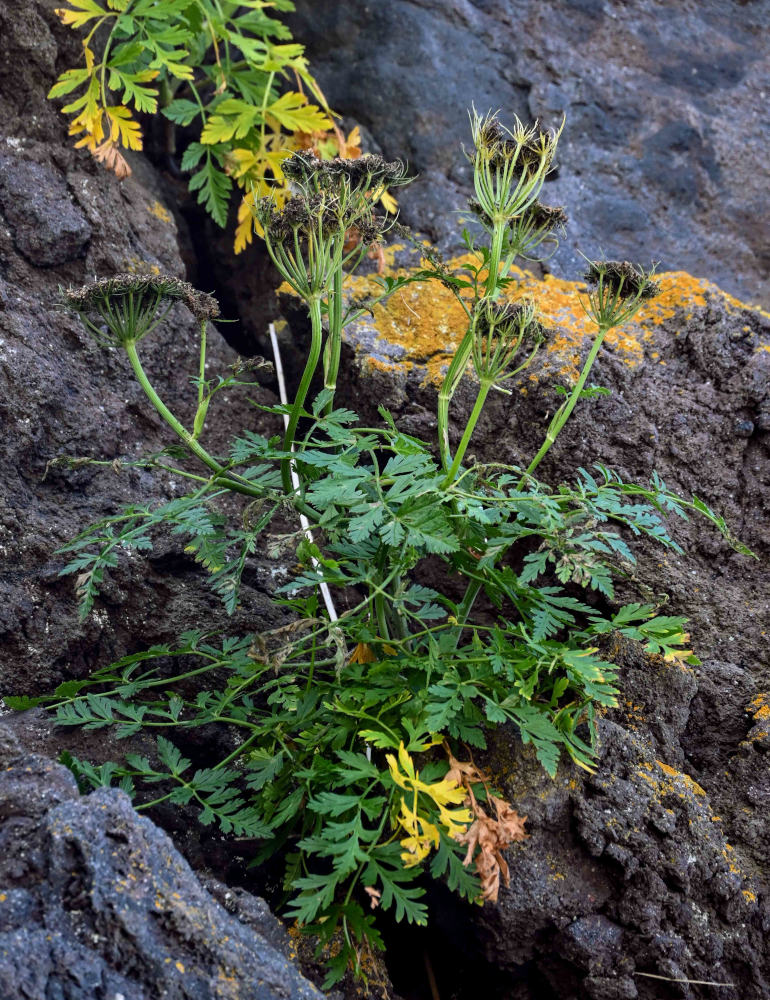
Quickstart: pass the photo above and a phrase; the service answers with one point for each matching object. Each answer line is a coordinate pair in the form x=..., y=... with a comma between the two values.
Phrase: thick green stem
x=334, y=344
x=478, y=406
x=304, y=385
x=203, y=397
x=562, y=415
x=227, y=479
x=495, y=253
x=167, y=415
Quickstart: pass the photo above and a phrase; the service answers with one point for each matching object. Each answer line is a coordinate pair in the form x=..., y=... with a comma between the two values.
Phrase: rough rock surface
x=63, y=220
x=107, y=907
x=662, y=155
x=657, y=864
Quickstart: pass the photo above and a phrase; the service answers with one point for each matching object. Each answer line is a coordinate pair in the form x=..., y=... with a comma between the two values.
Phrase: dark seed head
x=623, y=278
x=147, y=289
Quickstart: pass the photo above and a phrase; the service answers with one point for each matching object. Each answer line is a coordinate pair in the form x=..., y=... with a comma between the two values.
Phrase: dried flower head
x=617, y=290
x=371, y=230
x=128, y=305
x=548, y=216
x=500, y=330
x=509, y=166
x=362, y=173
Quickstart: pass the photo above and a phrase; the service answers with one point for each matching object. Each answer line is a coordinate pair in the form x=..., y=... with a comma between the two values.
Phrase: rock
x=661, y=156
x=67, y=220
x=108, y=908
x=47, y=227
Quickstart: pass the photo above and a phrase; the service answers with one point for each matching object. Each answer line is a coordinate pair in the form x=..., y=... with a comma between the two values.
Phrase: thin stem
x=334, y=344
x=448, y=387
x=466, y=606
x=562, y=415
x=304, y=385
x=478, y=406
x=167, y=415
x=203, y=398
x=235, y=484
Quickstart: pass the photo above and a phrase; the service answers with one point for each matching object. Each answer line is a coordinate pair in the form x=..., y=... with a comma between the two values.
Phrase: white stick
x=305, y=524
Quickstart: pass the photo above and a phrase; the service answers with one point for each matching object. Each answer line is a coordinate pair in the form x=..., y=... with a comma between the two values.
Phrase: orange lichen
x=427, y=322
x=693, y=786
x=759, y=707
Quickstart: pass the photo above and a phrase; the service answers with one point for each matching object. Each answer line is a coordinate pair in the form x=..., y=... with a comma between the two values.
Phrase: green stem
x=203, y=398
x=562, y=415
x=304, y=385
x=466, y=606
x=452, y=378
x=334, y=344
x=469, y=429
x=167, y=415
x=496, y=251
x=226, y=479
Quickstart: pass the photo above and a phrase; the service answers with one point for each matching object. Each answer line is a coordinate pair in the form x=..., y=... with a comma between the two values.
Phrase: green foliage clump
x=376, y=668
x=216, y=65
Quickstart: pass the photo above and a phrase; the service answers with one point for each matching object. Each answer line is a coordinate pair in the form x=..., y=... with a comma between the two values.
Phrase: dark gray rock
x=68, y=219
x=95, y=903
x=47, y=227
x=662, y=155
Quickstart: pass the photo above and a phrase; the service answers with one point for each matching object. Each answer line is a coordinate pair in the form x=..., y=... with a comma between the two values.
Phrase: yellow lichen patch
x=159, y=211
x=751, y=897
x=180, y=966
x=426, y=321
x=135, y=265
x=759, y=707
x=693, y=786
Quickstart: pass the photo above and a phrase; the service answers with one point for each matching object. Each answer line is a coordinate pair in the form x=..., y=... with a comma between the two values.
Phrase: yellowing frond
x=80, y=12
x=123, y=127
x=293, y=113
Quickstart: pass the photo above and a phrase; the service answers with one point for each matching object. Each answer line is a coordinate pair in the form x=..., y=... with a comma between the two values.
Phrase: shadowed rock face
x=64, y=220
x=662, y=156
x=96, y=902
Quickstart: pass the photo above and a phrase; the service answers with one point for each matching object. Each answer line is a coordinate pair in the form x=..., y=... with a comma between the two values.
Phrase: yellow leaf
x=123, y=127
x=244, y=229
x=83, y=12
x=91, y=124
x=388, y=202
x=293, y=112
x=363, y=653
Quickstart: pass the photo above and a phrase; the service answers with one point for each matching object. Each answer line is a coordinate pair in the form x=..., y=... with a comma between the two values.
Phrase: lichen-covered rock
x=662, y=155
x=95, y=902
